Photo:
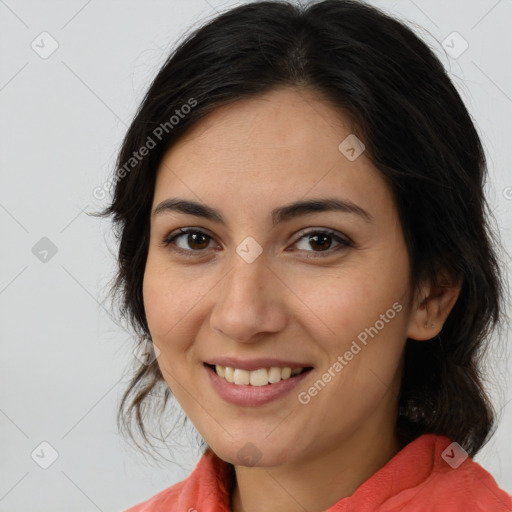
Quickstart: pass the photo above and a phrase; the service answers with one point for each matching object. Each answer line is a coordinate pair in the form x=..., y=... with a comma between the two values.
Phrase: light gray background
x=64, y=363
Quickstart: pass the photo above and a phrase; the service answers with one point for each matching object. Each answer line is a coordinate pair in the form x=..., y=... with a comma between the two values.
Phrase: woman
x=304, y=243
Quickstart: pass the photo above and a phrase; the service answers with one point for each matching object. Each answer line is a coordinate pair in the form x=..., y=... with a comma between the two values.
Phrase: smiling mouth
x=259, y=377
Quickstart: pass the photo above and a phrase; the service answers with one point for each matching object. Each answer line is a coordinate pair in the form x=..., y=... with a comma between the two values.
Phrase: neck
x=318, y=481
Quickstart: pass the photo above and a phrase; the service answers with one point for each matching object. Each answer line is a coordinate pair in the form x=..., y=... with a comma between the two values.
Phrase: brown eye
x=188, y=240
x=197, y=241
x=322, y=241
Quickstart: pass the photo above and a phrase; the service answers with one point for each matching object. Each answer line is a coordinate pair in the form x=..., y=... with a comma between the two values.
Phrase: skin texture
x=246, y=159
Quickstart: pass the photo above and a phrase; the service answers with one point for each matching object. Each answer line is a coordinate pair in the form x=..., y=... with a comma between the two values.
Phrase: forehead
x=277, y=147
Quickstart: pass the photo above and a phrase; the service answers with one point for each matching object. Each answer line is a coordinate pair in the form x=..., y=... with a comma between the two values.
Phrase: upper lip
x=255, y=364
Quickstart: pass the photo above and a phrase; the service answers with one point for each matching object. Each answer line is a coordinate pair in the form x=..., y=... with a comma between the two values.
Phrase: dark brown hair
x=416, y=130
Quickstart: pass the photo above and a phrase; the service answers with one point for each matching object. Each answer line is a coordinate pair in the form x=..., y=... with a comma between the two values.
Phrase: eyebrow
x=279, y=215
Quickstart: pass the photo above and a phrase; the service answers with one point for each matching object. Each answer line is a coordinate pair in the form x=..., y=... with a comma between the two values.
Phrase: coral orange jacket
x=427, y=475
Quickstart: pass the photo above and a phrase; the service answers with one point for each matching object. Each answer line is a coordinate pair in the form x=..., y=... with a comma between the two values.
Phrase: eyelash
x=344, y=242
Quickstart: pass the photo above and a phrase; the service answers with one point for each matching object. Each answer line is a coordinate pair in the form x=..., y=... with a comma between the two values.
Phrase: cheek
x=344, y=304
x=170, y=303
x=360, y=310
x=364, y=322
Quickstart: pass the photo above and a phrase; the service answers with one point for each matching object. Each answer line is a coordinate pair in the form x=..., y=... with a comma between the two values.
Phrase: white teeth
x=241, y=376
x=274, y=375
x=259, y=377
x=228, y=374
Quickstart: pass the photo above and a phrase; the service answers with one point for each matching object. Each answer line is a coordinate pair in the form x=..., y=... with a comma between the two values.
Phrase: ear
x=431, y=308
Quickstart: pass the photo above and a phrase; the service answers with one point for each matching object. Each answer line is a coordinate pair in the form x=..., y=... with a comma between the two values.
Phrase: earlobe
x=431, y=309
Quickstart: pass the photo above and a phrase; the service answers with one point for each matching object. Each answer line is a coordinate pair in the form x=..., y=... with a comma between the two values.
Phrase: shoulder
x=457, y=484
x=470, y=486
x=164, y=500
x=207, y=486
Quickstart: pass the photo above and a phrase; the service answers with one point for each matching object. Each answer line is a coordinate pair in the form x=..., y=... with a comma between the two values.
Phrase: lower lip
x=248, y=396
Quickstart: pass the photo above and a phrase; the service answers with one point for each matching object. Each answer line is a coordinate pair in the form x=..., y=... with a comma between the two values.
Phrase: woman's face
x=259, y=284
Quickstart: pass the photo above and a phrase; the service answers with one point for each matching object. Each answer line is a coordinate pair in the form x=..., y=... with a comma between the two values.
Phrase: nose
x=249, y=302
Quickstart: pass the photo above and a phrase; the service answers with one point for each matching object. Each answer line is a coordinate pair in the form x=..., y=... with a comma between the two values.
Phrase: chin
x=253, y=453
